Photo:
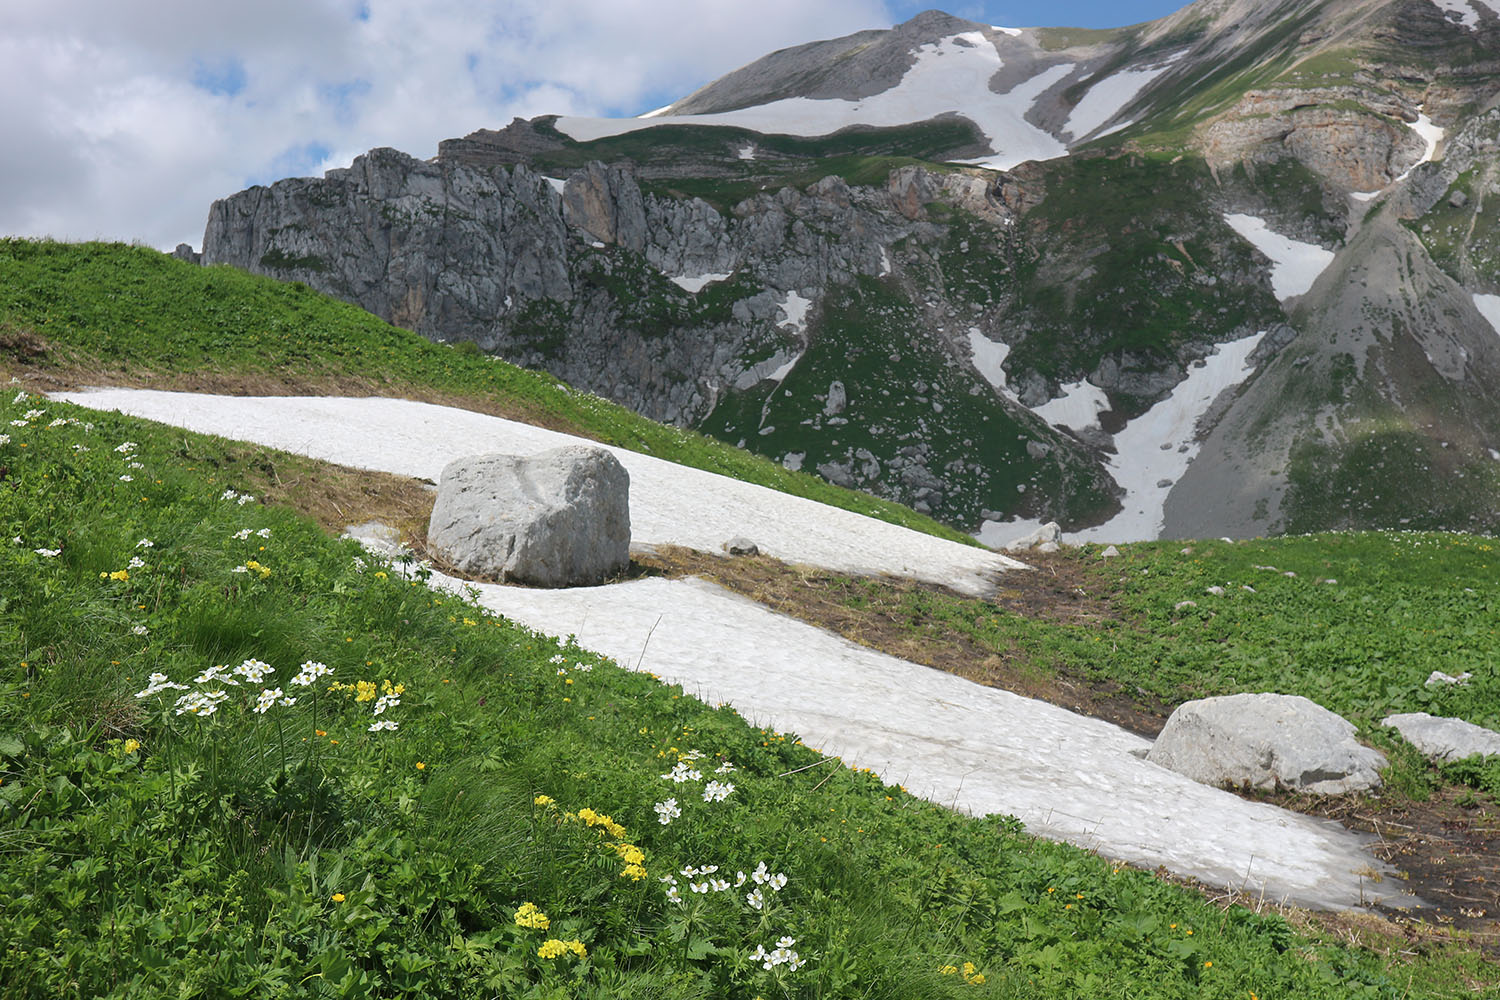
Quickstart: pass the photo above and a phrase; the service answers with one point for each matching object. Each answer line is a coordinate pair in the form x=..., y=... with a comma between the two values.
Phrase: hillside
x=405, y=859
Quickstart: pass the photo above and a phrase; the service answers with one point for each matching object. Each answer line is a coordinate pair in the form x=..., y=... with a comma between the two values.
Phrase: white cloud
x=125, y=120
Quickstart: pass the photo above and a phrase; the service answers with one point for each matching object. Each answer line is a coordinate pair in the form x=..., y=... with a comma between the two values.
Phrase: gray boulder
x=1444, y=740
x=557, y=519
x=1266, y=740
x=741, y=546
x=1049, y=532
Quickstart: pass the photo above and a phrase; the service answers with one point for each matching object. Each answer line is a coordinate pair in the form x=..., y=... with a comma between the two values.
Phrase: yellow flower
x=365, y=691
x=634, y=872
x=337, y=897
x=529, y=916
x=131, y=746
x=630, y=854
x=544, y=800
x=421, y=766
x=553, y=948
x=947, y=970
x=381, y=574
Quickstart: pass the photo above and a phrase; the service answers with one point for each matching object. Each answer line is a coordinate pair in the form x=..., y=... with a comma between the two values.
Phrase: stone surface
x=1442, y=739
x=1110, y=553
x=560, y=518
x=1049, y=532
x=1265, y=741
x=741, y=546
x=1437, y=678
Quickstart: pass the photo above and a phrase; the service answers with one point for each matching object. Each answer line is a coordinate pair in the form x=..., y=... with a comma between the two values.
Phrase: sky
x=125, y=119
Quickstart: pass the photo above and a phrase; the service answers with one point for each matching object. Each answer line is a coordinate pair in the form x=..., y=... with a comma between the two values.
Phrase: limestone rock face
x=1444, y=739
x=557, y=519
x=1266, y=740
x=1049, y=533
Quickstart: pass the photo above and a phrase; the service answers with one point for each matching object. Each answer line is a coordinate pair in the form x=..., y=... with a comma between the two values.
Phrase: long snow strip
x=951, y=75
x=1294, y=265
x=1109, y=96
x=977, y=749
x=1489, y=308
x=670, y=504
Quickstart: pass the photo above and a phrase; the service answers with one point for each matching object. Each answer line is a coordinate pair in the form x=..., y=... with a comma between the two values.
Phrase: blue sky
x=125, y=120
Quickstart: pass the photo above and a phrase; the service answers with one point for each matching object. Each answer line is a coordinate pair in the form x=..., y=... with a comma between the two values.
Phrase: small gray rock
x=1444, y=739
x=1437, y=678
x=560, y=518
x=1110, y=553
x=1266, y=740
x=740, y=546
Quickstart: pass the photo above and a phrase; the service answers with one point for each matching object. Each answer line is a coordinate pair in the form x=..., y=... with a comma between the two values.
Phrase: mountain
x=1226, y=273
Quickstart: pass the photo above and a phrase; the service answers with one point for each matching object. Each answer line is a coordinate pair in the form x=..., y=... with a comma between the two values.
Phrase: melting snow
x=951, y=75
x=795, y=307
x=999, y=534
x=746, y=152
x=557, y=183
x=1294, y=266
x=885, y=262
x=1106, y=98
x=977, y=749
x=1077, y=408
x=989, y=357
x=1431, y=134
x=1468, y=16
x=669, y=504
x=1489, y=308
x=1012, y=32
x=696, y=285
x=1158, y=446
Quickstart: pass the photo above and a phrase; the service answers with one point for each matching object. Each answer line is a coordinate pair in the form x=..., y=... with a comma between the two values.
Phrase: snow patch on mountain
x=1489, y=308
x=1154, y=450
x=1430, y=134
x=1109, y=96
x=1077, y=408
x=795, y=307
x=951, y=75
x=1467, y=15
x=694, y=285
x=989, y=357
x=1294, y=265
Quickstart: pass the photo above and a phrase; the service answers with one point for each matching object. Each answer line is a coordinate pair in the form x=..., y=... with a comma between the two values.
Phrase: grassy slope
x=296, y=853
x=129, y=311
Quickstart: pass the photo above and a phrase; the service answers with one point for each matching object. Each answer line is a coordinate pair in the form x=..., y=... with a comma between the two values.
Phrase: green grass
x=297, y=853
x=134, y=311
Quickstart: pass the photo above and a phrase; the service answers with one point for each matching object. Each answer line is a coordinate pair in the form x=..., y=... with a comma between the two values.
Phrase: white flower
x=673, y=894
x=126, y=448
x=759, y=953
x=786, y=942
x=761, y=874
x=226, y=495
x=583, y=668
x=33, y=414
x=718, y=884
x=17, y=540
x=59, y=422
x=19, y=423
x=264, y=532
x=5, y=439
x=244, y=498
x=708, y=869
x=667, y=811
x=724, y=768
x=80, y=448
x=159, y=682
x=387, y=701
x=688, y=872
x=254, y=671
x=215, y=675
x=145, y=543
x=136, y=465
x=48, y=553
x=682, y=772
x=241, y=535
x=240, y=569
x=265, y=700
x=717, y=791
x=382, y=725
x=127, y=478
x=140, y=630
x=699, y=887
x=200, y=703
x=21, y=397
x=561, y=671
x=557, y=658
x=287, y=701
x=136, y=562
x=777, y=882
x=360, y=564
x=755, y=899
x=311, y=671
x=794, y=962
x=739, y=879
x=668, y=879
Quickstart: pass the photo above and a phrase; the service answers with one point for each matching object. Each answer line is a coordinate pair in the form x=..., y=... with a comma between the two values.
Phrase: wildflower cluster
x=782, y=954
x=684, y=772
x=239, y=498
x=971, y=975
x=553, y=948
x=251, y=566
x=632, y=858
x=386, y=695
x=707, y=882
x=529, y=916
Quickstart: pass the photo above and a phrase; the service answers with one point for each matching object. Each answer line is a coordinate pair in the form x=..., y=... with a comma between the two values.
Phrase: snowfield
x=951, y=76
x=670, y=504
x=974, y=748
x=978, y=749
x=1294, y=265
x=1489, y=308
x=1109, y=96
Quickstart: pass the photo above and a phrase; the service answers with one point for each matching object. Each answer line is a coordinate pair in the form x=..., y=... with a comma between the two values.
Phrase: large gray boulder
x=1265, y=741
x=1444, y=740
x=560, y=518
